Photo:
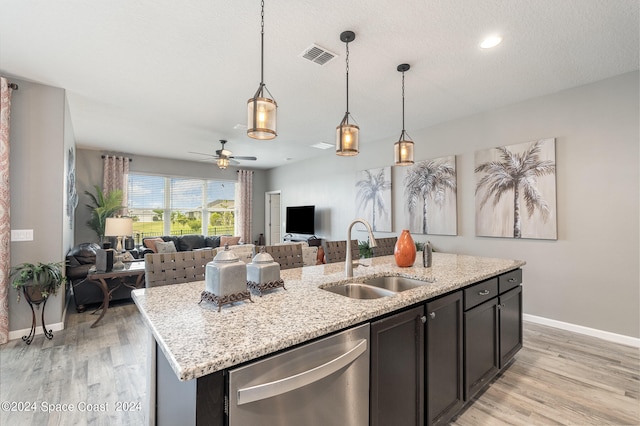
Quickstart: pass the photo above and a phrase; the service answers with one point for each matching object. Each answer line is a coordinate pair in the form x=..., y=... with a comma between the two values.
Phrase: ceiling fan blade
x=201, y=153
x=241, y=157
x=223, y=152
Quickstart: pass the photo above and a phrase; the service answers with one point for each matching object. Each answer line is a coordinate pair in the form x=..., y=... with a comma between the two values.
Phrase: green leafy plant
x=44, y=277
x=365, y=250
x=103, y=206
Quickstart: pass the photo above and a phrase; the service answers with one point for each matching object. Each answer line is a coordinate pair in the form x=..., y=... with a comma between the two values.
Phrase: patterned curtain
x=116, y=176
x=245, y=205
x=5, y=202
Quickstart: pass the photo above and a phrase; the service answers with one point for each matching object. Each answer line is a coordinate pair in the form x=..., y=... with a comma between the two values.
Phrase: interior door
x=272, y=225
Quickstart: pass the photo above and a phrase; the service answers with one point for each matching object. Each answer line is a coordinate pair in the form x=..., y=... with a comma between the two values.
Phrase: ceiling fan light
x=261, y=118
x=403, y=152
x=223, y=163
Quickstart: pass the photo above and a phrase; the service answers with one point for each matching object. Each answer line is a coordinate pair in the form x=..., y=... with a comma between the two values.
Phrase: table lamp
x=118, y=227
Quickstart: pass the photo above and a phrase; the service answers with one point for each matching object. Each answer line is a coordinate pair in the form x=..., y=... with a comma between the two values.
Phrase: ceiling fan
x=225, y=157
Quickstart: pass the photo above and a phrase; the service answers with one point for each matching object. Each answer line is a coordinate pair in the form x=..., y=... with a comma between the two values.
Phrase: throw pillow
x=168, y=247
x=232, y=241
x=150, y=243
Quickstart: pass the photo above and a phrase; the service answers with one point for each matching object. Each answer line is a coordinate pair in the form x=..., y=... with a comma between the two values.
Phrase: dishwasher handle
x=277, y=387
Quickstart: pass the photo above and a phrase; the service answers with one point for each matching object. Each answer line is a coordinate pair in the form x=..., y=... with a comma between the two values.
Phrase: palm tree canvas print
x=516, y=191
x=373, y=199
x=430, y=188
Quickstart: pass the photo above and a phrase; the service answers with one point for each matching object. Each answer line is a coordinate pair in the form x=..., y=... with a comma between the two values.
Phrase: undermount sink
x=375, y=288
x=360, y=291
x=395, y=284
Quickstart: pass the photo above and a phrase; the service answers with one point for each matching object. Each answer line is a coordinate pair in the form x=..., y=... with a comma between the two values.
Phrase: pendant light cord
x=402, y=101
x=347, y=78
x=262, y=43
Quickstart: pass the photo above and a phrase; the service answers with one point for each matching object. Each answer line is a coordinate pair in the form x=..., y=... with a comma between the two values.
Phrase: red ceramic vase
x=405, y=250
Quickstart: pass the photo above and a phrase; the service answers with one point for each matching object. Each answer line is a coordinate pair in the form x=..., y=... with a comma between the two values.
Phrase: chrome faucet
x=348, y=267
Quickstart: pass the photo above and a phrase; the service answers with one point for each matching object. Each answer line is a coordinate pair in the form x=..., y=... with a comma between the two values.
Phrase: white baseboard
x=605, y=335
x=16, y=334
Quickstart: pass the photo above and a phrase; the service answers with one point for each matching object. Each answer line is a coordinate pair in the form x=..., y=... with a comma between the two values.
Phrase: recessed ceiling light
x=240, y=127
x=322, y=145
x=491, y=41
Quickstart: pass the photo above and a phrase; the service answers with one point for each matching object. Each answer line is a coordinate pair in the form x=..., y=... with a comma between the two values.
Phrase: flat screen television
x=301, y=220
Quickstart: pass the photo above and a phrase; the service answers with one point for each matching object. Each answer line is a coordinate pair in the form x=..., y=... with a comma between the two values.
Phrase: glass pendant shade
x=261, y=110
x=261, y=118
x=223, y=163
x=403, y=152
x=347, y=138
x=403, y=149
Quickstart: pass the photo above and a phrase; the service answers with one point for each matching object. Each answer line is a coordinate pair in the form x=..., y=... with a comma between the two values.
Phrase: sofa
x=180, y=242
x=86, y=292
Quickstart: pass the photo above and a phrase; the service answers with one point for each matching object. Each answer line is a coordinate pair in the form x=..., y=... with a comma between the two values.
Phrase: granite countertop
x=198, y=340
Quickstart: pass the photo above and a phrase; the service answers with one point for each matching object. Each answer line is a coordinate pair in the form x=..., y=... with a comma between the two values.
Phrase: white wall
x=40, y=136
x=590, y=275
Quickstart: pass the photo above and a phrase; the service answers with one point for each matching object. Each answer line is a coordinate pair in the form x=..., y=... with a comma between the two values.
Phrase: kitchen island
x=197, y=341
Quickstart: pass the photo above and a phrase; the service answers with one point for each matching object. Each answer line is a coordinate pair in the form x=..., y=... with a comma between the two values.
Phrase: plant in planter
x=39, y=280
x=365, y=250
x=103, y=206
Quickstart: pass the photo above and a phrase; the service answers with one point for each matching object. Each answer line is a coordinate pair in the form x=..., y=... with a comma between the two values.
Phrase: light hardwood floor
x=557, y=378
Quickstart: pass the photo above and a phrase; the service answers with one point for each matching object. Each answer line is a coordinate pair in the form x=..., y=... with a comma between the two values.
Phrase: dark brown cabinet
x=397, y=369
x=480, y=346
x=444, y=355
x=510, y=309
x=492, y=328
x=427, y=362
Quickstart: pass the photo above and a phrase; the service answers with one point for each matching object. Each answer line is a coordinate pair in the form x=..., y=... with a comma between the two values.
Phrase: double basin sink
x=374, y=288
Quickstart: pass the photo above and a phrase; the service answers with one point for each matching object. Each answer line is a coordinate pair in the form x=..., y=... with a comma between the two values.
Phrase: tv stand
x=312, y=240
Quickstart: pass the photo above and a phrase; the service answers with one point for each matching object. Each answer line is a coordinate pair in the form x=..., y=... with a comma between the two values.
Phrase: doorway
x=272, y=222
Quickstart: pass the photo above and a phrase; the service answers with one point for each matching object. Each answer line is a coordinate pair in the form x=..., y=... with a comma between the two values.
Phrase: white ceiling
x=165, y=77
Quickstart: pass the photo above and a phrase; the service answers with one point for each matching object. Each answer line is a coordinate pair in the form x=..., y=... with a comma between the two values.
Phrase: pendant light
x=403, y=149
x=261, y=110
x=347, y=133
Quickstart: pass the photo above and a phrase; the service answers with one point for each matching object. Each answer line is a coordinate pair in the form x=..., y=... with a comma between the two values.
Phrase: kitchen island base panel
x=194, y=402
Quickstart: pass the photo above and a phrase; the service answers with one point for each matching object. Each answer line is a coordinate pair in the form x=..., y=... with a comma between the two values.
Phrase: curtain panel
x=116, y=176
x=5, y=203
x=245, y=205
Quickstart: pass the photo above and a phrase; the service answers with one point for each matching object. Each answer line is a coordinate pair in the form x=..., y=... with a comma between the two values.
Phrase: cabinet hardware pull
x=483, y=292
x=512, y=280
x=423, y=319
x=432, y=315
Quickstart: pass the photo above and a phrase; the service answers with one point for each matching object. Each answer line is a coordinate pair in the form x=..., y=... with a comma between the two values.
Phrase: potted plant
x=103, y=206
x=38, y=280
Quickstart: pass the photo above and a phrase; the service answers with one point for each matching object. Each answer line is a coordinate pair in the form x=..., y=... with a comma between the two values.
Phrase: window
x=162, y=205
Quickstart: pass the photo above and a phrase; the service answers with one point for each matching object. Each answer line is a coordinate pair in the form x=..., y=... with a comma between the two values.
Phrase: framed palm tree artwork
x=373, y=198
x=430, y=189
x=516, y=191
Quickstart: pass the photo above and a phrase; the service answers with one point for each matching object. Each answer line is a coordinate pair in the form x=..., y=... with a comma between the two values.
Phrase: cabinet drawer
x=480, y=293
x=509, y=280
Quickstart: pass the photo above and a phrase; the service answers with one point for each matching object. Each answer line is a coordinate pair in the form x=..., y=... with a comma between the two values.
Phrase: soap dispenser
x=427, y=255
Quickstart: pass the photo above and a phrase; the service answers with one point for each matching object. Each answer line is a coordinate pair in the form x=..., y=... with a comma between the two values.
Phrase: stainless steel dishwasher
x=321, y=383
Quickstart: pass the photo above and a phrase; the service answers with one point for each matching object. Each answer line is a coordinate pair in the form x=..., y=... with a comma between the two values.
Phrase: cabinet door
x=444, y=358
x=397, y=361
x=480, y=346
x=510, y=324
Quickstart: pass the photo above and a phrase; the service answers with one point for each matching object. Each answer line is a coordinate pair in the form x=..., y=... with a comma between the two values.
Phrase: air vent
x=317, y=54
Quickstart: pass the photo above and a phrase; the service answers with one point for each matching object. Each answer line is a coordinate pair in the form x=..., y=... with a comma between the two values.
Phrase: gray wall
x=89, y=173
x=41, y=134
x=590, y=275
